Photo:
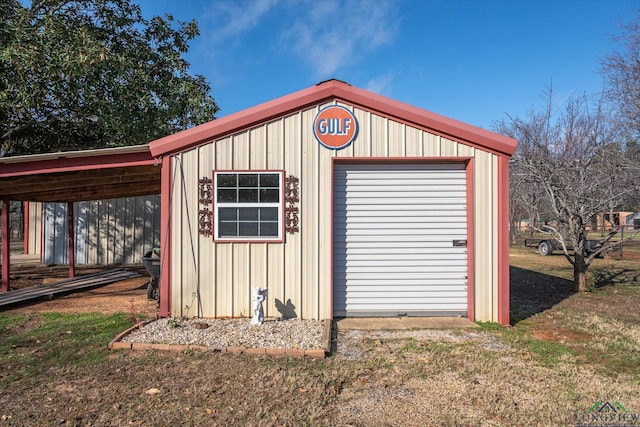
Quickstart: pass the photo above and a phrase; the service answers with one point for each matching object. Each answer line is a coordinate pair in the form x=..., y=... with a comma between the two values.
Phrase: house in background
x=341, y=202
x=608, y=221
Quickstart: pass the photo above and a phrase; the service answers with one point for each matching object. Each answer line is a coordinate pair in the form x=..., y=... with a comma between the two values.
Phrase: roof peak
x=326, y=91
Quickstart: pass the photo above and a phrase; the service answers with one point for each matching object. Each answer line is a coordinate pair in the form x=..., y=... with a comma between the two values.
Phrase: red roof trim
x=333, y=89
x=62, y=163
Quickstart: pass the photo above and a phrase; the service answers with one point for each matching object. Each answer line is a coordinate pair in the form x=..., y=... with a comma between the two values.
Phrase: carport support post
x=6, y=244
x=71, y=240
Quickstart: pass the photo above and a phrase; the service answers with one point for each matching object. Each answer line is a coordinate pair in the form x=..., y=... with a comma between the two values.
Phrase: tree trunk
x=579, y=274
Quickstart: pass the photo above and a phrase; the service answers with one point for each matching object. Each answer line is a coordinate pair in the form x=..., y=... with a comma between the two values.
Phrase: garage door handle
x=460, y=243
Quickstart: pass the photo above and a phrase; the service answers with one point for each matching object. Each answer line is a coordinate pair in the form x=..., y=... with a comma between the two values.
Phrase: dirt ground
x=127, y=296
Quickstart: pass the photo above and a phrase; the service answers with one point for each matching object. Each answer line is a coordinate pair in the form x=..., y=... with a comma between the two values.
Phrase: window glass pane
x=227, y=179
x=248, y=196
x=235, y=218
x=227, y=214
x=269, y=196
x=249, y=229
x=249, y=214
x=269, y=180
x=227, y=196
x=227, y=229
x=248, y=180
x=269, y=214
x=269, y=229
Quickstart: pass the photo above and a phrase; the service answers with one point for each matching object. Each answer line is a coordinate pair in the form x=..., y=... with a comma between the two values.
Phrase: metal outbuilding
x=341, y=202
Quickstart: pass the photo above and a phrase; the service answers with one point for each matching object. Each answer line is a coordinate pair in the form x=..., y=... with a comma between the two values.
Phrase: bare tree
x=574, y=159
x=621, y=70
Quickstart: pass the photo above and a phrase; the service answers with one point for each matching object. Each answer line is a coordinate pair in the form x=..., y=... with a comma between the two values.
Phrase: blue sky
x=471, y=60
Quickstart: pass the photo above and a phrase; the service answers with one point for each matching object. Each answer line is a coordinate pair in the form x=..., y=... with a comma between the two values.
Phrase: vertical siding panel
x=241, y=251
x=275, y=252
x=206, y=248
x=144, y=233
x=379, y=138
x=324, y=238
x=309, y=205
x=274, y=141
x=215, y=266
x=396, y=143
x=257, y=149
x=241, y=151
x=122, y=228
x=190, y=163
x=465, y=151
x=118, y=232
x=101, y=232
x=294, y=140
x=48, y=230
x=431, y=145
x=483, y=222
x=258, y=252
x=177, y=287
x=35, y=228
x=359, y=147
x=104, y=216
x=449, y=148
x=224, y=254
x=184, y=193
x=223, y=278
x=134, y=230
x=111, y=232
x=258, y=273
x=413, y=143
x=242, y=288
x=145, y=226
x=129, y=220
x=224, y=154
x=351, y=150
x=82, y=232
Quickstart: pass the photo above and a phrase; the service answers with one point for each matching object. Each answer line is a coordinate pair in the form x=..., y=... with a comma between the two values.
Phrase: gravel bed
x=221, y=333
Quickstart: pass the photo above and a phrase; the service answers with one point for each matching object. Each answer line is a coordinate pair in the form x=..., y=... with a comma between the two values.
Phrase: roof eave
x=332, y=89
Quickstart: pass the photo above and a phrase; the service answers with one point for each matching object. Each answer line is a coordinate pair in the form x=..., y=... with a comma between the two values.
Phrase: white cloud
x=234, y=18
x=380, y=84
x=333, y=33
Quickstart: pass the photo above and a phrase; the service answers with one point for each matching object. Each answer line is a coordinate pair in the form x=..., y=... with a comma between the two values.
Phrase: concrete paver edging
x=117, y=344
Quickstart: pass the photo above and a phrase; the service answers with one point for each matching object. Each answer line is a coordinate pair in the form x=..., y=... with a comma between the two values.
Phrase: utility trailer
x=547, y=246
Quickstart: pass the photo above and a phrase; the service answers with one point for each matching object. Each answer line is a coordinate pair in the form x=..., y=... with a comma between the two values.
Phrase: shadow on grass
x=601, y=277
x=532, y=292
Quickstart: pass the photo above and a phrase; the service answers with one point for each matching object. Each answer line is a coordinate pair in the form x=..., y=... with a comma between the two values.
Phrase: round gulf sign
x=335, y=127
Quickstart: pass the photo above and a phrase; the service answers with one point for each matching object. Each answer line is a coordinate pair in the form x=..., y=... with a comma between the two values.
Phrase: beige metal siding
x=298, y=271
x=113, y=231
x=35, y=228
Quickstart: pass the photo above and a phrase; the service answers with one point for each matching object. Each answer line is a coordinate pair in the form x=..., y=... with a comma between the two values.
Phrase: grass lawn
x=562, y=355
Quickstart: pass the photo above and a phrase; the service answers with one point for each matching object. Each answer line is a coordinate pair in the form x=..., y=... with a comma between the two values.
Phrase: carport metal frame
x=70, y=177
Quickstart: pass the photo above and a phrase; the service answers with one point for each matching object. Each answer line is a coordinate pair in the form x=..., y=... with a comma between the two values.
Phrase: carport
x=70, y=177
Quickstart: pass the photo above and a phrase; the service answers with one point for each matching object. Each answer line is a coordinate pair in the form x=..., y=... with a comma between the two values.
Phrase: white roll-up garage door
x=399, y=243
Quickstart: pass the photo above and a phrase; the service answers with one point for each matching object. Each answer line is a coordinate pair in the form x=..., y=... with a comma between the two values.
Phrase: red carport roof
x=80, y=175
x=342, y=92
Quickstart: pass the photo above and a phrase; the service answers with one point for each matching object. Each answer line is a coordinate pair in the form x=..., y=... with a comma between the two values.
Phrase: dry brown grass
x=564, y=353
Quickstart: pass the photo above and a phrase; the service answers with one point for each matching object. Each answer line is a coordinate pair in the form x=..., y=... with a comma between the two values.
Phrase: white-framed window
x=248, y=205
